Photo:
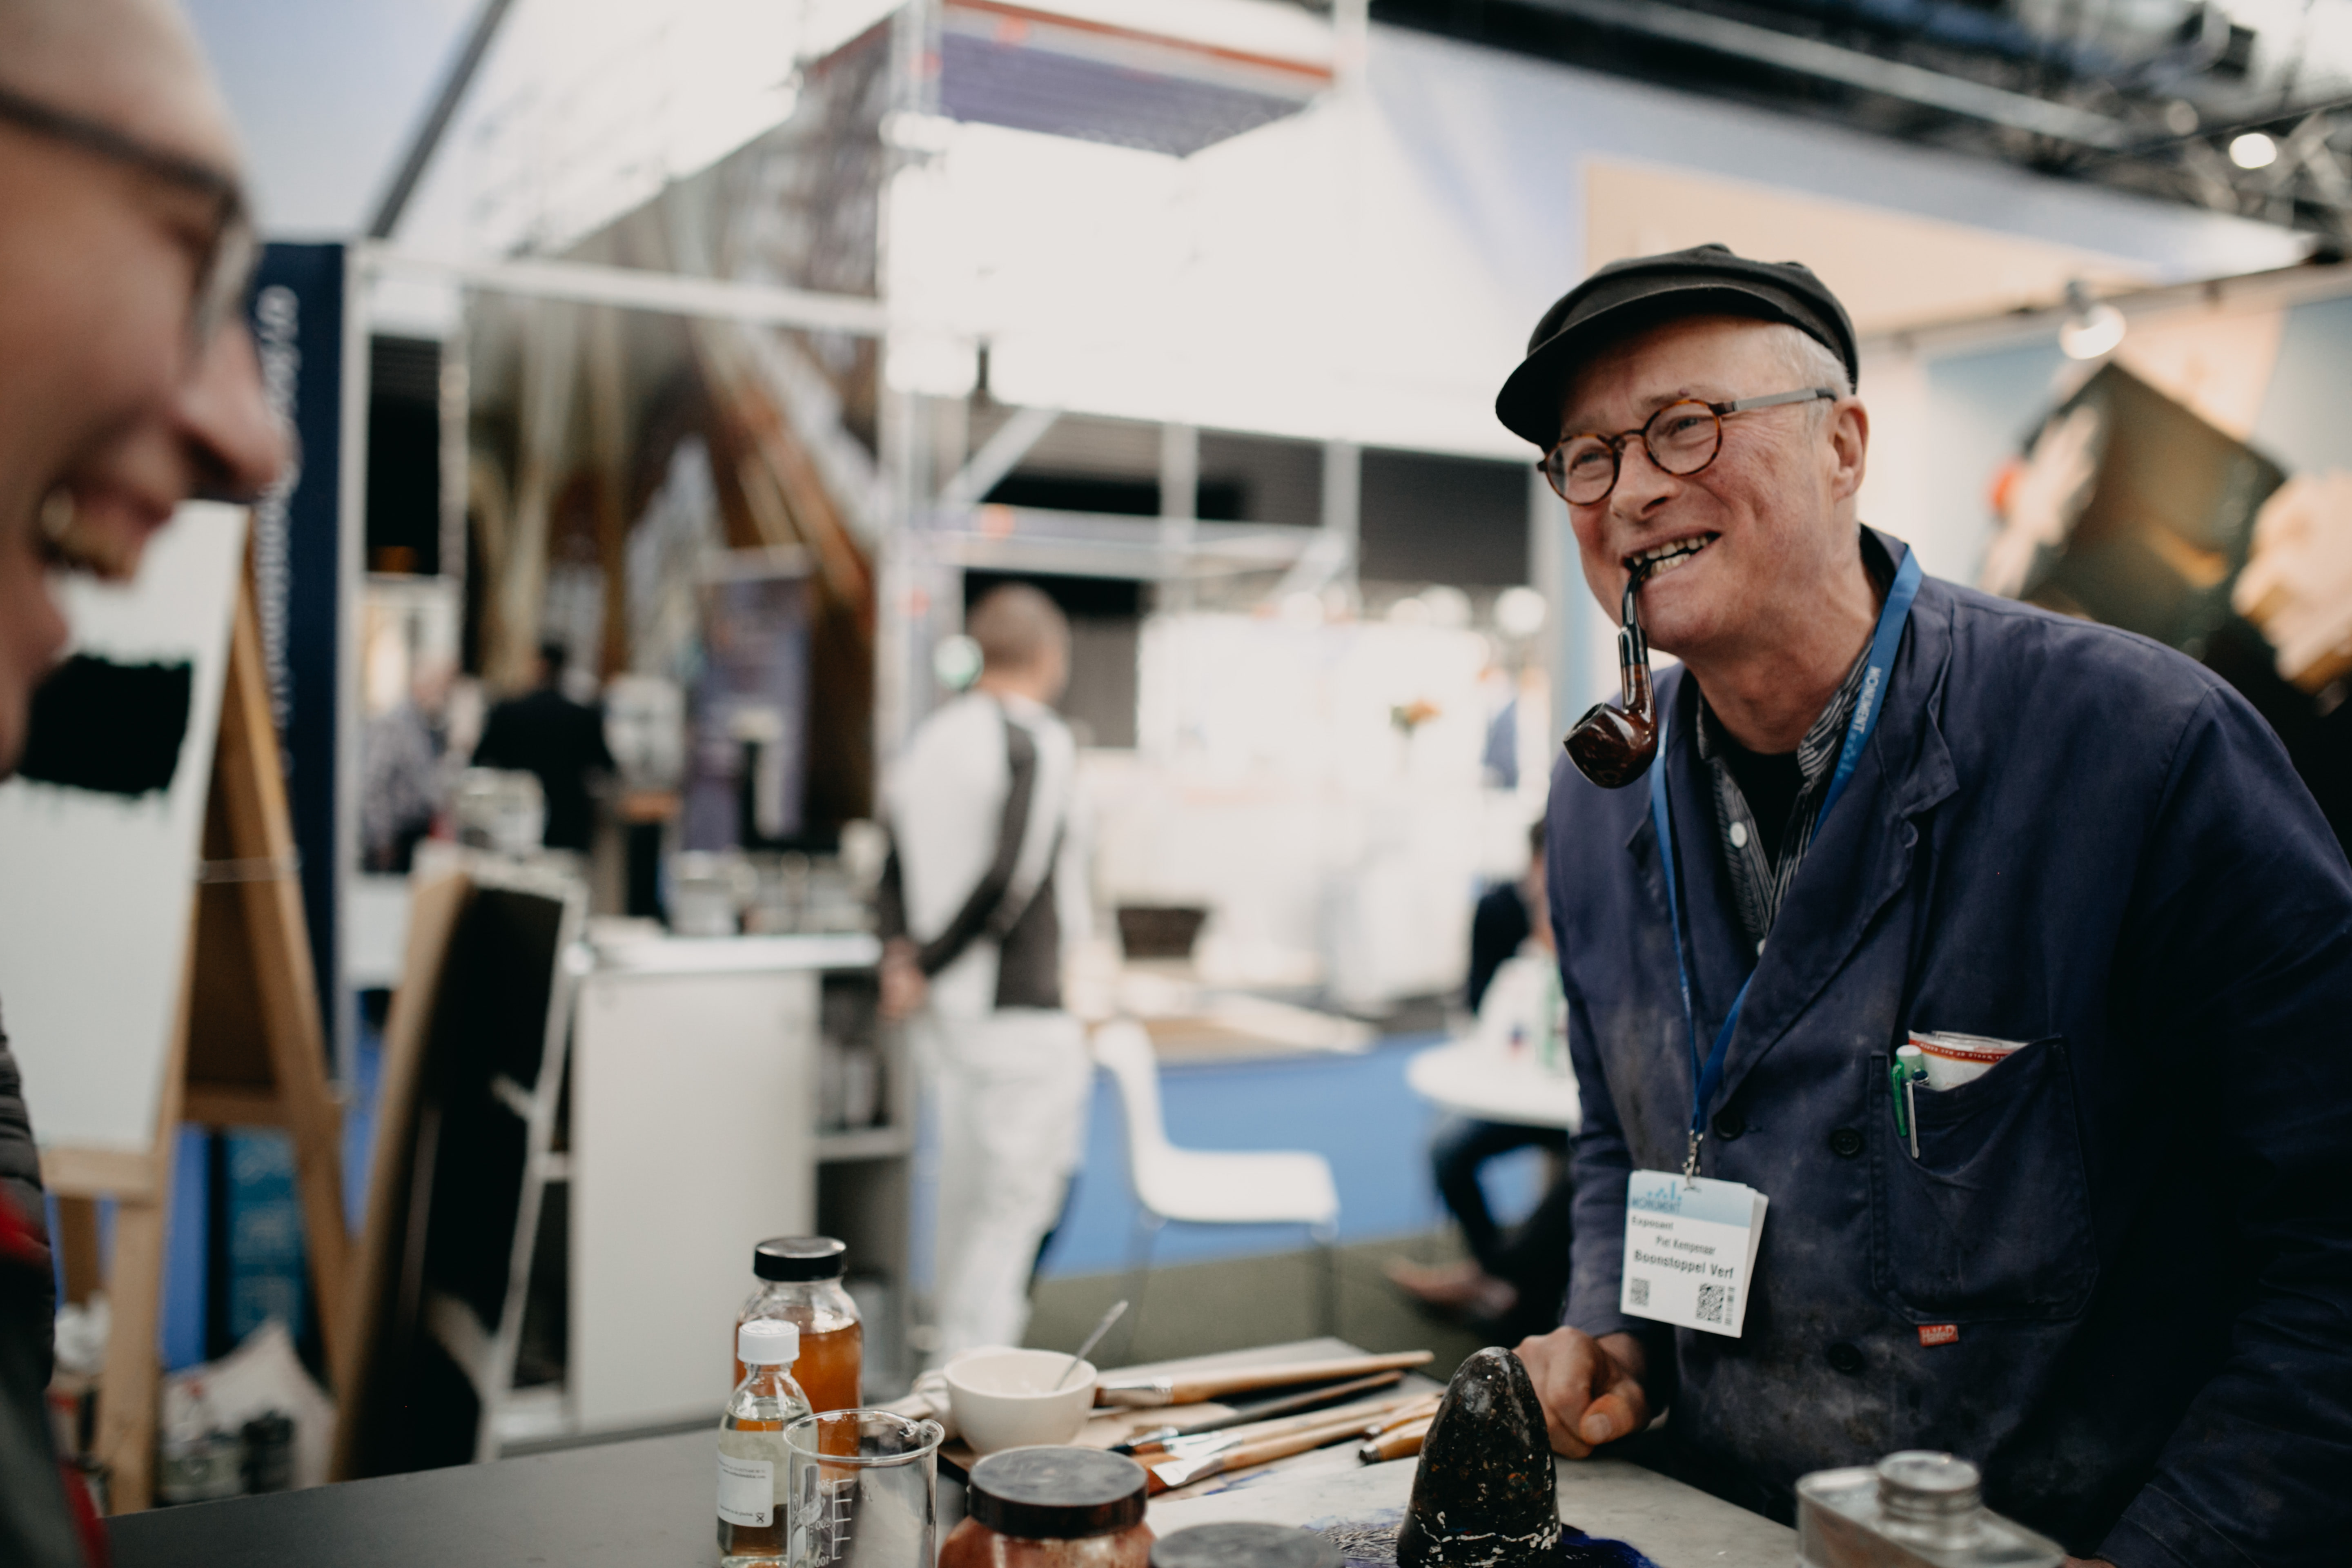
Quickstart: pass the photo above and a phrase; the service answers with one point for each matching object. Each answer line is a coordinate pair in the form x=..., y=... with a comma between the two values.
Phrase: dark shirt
x=546, y=733
x=1498, y=927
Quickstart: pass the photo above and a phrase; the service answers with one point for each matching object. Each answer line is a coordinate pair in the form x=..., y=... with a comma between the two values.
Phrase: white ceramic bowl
x=1006, y=1398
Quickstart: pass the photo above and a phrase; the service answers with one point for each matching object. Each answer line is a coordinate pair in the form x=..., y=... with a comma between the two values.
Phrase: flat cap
x=1642, y=291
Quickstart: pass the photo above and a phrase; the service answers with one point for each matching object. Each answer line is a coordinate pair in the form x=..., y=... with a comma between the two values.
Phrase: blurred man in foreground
x=127, y=384
x=2104, y=1250
x=978, y=890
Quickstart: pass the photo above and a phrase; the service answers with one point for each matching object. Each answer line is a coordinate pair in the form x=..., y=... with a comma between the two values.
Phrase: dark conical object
x=1484, y=1496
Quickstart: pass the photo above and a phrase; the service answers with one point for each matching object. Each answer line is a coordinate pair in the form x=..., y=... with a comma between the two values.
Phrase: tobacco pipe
x=1613, y=746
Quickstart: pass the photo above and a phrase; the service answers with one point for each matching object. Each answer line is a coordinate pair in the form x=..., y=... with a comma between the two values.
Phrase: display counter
x=647, y=1504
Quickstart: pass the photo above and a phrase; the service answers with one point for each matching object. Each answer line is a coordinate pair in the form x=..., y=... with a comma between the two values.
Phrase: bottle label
x=746, y=1490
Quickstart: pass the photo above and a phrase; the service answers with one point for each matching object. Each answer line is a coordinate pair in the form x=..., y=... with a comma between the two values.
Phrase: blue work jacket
x=2138, y=1228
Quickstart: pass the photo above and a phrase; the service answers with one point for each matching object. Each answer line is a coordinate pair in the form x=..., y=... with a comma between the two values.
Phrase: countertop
x=647, y=1504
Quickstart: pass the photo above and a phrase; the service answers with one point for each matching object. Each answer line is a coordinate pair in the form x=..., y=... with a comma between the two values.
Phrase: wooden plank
x=125, y=1441
x=125, y=1173
x=125, y=1438
x=433, y=912
x=230, y=1105
x=77, y=1245
x=248, y=779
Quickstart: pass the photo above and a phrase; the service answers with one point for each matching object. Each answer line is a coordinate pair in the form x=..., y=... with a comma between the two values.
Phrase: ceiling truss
x=1975, y=78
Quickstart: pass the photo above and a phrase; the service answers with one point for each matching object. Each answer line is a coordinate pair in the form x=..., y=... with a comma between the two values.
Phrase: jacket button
x=1729, y=1124
x=1845, y=1143
x=1845, y=1358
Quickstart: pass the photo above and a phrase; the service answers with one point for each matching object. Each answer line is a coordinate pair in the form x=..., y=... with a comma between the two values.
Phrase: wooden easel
x=248, y=1051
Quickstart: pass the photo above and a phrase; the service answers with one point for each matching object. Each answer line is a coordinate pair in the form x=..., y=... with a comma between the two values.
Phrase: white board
x=95, y=928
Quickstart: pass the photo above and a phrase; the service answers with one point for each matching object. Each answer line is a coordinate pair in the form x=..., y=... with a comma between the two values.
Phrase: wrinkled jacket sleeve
x=2240, y=949
x=1602, y=1162
x=20, y=1160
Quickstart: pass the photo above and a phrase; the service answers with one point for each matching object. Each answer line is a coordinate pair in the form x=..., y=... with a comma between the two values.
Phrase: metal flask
x=1912, y=1510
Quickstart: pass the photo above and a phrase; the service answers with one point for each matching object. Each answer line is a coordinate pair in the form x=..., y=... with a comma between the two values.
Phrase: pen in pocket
x=1910, y=1067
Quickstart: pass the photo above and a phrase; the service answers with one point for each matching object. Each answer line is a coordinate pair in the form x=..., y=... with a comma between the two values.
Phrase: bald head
x=1015, y=625
x=1024, y=642
x=131, y=64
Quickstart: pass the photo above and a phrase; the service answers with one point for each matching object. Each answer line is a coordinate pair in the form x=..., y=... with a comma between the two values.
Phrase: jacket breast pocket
x=1993, y=1219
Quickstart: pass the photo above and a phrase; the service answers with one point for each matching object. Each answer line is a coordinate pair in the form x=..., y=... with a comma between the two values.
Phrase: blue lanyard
x=1708, y=1078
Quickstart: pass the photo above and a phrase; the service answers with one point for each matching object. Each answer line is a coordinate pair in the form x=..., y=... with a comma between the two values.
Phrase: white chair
x=1202, y=1186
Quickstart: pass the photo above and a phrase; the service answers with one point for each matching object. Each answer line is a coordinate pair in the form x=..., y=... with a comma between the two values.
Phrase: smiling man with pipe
x=2117, y=1271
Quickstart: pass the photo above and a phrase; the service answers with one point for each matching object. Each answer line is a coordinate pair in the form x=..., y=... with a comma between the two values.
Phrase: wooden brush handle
x=1197, y=1387
x=1266, y=1450
x=1397, y=1443
x=1379, y=1414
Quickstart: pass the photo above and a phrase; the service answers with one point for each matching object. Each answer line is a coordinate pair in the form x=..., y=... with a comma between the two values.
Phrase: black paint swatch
x=113, y=728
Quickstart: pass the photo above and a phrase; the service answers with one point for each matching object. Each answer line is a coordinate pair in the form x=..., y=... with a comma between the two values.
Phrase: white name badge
x=1690, y=1250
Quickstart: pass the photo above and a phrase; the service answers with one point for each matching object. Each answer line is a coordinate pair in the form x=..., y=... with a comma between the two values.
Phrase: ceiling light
x=2181, y=117
x=2253, y=149
x=1520, y=612
x=2093, y=333
x=956, y=661
x=2090, y=330
x=1448, y=606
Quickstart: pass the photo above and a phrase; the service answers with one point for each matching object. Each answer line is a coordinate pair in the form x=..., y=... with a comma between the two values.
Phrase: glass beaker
x=862, y=1489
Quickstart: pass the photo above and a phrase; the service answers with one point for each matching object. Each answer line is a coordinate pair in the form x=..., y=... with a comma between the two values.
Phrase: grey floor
x=1199, y=1309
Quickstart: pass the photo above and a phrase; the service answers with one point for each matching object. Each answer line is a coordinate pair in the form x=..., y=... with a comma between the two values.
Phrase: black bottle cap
x=1239, y=1544
x=1056, y=1494
x=798, y=1258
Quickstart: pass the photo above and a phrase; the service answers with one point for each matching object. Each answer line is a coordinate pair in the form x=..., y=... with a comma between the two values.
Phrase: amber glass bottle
x=800, y=1282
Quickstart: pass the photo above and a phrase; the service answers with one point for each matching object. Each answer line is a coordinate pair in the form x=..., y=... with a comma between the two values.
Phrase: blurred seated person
x=1517, y=995
x=404, y=787
x=562, y=741
x=1501, y=924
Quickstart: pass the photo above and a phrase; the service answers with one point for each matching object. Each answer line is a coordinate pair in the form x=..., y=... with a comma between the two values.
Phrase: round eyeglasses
x=1681, y=438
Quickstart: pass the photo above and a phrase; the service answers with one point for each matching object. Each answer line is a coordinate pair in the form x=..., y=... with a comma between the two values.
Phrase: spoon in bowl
x=1092, y=1341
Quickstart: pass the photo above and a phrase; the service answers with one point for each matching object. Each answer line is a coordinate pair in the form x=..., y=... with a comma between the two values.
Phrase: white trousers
x=1011, y=1088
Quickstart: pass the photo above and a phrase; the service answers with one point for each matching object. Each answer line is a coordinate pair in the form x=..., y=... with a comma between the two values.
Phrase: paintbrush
x=1400, y=1442
x=1261, y=1410
x=1196, y=1387
x=1369, y=1418
x=1182, y=1470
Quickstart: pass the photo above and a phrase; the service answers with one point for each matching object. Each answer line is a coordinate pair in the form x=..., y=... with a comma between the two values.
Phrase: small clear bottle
x=799, y=1284
x=752, y=1452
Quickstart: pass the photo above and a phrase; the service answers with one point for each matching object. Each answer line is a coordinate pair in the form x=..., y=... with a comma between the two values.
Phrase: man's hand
x=903, y=986
x=1590, y=1389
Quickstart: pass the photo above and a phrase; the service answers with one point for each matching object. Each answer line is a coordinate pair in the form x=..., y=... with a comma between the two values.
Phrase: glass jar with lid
x=1052, y=1508
x=800, y=1282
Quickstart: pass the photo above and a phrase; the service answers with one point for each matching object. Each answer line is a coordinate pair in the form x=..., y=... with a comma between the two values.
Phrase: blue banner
x=298, y=326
